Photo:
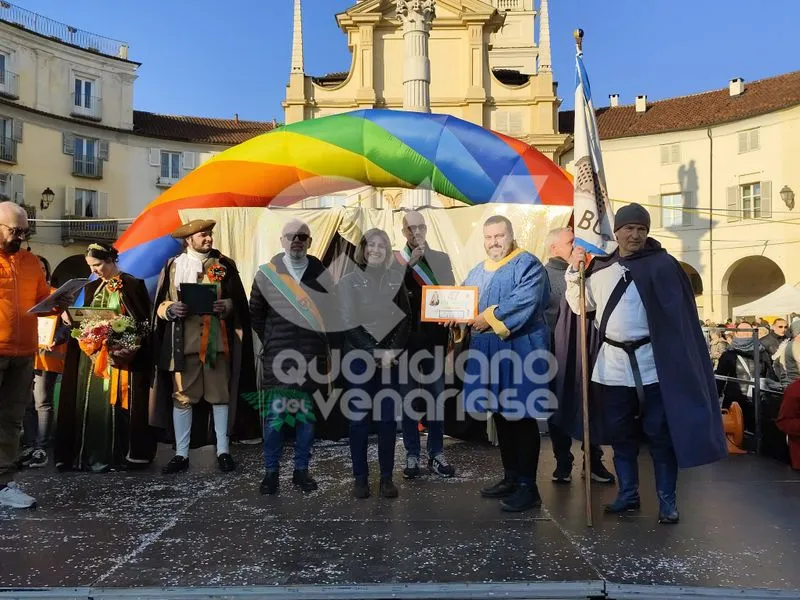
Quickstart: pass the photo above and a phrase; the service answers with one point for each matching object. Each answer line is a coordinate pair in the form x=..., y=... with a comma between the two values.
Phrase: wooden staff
x=587, y=453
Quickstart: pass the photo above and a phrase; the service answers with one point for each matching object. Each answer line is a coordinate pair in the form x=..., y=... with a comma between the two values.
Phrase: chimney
x=641, y=104
x=613, y=100
x=274, y=123
x=736, y=86
x=236, y=117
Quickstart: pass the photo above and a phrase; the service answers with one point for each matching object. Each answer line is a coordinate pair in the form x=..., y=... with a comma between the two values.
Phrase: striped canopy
x=381, y=148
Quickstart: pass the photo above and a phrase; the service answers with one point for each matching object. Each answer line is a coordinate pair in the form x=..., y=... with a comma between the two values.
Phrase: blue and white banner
x=594, y=216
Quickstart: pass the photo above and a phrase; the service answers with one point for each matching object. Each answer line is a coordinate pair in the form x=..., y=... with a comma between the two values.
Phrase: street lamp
x=787, y=195
x=47, y=198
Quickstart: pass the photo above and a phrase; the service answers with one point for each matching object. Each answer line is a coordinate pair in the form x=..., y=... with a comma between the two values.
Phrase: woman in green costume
x=102, y=421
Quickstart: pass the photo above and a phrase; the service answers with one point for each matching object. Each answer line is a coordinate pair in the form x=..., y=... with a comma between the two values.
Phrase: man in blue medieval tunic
x=510, y=328
x=653, y=368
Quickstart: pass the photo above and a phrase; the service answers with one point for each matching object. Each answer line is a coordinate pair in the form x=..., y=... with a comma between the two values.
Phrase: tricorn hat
x=192, y=227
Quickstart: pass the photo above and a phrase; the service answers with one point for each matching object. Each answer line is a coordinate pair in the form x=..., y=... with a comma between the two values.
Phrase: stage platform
x=205, y=534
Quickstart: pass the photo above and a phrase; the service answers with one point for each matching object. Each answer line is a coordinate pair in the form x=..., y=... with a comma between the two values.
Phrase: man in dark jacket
x=653, y=368
x=776, y=336
x=560, y=244
x=425, y=266
x=291, y=300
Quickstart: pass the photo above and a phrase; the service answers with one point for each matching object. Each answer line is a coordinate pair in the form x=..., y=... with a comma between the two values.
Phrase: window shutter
x=102, y=149
x=17, y=188
x=734, y=206
x=102, y=204
x=188, y=160
x=754, y=141
x=688, y=208
x=69, y=201
x=515, y=122
x=655, y=211
x=743, y=139
x=675, y=154
x=664, y=155
x=154, y=157
x=766, y=199
x=69, y=143
x=17, y=128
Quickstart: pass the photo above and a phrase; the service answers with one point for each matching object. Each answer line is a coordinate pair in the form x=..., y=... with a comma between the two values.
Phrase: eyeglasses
x=290, y=237
x=415, y=228
x=17, y=231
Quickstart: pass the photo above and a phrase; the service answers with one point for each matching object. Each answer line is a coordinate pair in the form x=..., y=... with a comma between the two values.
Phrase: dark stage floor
x=739, y=527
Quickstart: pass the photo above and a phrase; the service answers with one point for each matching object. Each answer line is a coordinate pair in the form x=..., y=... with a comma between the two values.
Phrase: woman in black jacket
x=375, y=310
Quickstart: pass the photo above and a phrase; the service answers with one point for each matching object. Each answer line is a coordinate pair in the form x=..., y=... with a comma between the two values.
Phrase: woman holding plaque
x=375, y=311
x=102, y=415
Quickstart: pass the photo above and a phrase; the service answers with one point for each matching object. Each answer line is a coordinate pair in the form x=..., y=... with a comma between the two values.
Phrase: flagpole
x=587, y=453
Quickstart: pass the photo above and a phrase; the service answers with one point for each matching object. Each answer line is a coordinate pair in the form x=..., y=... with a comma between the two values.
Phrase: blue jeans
x=273, y=441
x=435, y=426
x=362, y=406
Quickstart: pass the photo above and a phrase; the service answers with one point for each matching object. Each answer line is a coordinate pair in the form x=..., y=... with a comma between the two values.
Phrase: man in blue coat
x=653, y=368
x=510, y=329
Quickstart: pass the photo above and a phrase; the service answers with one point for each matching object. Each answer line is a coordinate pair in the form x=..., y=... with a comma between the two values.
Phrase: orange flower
x=216, y=273
x=114, y=284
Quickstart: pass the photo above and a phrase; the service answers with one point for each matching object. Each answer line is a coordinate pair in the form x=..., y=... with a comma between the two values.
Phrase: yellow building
x=68, y=128
x=718, y=171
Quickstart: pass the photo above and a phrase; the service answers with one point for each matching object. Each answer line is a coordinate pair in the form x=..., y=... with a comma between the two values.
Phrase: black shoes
x=621, y=505
x=361, y=489
x=501, y=489
x=269, y=485
x=304, y=481
x=226, y=464
x=668, y=519
x=388, y=489
x=176, y=464
x=524, y=498
x=602, y=475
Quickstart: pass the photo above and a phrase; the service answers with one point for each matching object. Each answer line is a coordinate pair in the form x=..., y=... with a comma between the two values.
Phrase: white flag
x=593, y=216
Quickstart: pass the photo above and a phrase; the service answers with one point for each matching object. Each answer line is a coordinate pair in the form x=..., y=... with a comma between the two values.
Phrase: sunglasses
x=780, y=326
x=17, y=231
x=290, y=237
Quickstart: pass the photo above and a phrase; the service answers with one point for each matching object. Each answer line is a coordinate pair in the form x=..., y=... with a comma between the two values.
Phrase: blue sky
x=203, y=57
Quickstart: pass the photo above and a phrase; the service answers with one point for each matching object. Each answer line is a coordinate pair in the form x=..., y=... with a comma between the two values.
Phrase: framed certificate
x=47, y=331
x=79, y=313
x=442, y=303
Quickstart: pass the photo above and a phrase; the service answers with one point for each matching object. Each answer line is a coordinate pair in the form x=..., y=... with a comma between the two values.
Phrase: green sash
x=290, y=290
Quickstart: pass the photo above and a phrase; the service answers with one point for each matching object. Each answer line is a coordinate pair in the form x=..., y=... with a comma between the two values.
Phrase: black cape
x=684, y=368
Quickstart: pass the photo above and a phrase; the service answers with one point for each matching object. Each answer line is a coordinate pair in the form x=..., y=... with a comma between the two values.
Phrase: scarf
x=188, y=266
x=295, y=266
x=743, y=344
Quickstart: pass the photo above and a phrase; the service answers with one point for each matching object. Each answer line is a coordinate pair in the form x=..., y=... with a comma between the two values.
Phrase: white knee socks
x=182, y=420
x=221, y=427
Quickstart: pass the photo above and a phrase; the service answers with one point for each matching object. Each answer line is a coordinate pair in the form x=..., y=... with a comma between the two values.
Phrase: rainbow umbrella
x=381, y=148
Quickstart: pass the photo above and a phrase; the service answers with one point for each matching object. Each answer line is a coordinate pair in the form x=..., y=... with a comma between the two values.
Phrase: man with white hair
x=22, y=285
x=291, y=305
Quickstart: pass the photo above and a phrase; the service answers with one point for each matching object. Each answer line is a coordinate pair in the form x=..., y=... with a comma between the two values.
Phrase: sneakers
x=12, y=496
x=440, y=466
x=38, y=459
x=388, y=489
x=602, y=475
x=412, y=467
x=269, y=485
x=563, y=473
x=361, y=489
x=25, y=456
x=176, y=464
x=303, y=480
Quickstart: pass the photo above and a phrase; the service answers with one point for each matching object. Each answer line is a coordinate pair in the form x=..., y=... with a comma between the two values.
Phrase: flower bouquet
x=113, y=340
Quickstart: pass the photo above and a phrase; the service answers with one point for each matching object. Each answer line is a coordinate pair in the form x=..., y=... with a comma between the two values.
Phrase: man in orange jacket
x=22, y=285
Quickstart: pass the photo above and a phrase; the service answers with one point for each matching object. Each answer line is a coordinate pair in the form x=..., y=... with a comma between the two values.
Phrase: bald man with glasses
x=22, y=285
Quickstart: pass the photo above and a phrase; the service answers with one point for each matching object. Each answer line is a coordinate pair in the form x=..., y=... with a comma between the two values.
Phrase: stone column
x=416, y=17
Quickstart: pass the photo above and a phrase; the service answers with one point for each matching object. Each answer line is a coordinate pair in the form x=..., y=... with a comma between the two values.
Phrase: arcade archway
x=749, y=279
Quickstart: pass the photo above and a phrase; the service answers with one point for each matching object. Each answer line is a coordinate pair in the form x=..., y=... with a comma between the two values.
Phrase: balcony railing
x=503, y=5
x=31, y=210
x=80, y=229
x=9, y=84
x=87, y=166
x=86, y=107
x=8, y=150
x=46, y=27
